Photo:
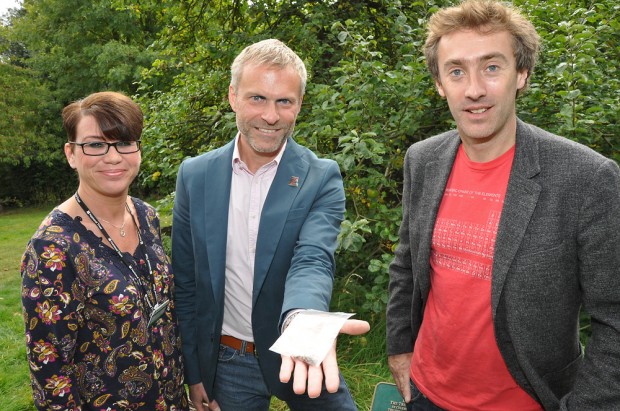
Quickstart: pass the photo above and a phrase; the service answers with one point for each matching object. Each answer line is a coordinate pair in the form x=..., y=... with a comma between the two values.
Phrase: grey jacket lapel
x=436, y=174
x=521, y=198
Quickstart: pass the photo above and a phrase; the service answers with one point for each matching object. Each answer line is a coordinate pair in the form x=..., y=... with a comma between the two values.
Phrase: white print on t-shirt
x=464, y=246
x=457, y=192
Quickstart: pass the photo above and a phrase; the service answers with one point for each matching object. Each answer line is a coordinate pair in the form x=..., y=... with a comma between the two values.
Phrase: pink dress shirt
x=248, y=192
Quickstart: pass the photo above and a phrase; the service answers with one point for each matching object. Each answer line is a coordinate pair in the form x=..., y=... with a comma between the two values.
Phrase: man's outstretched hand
x=311, y=376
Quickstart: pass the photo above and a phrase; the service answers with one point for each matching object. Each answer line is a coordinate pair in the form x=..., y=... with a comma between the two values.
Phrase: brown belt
x=237, y=344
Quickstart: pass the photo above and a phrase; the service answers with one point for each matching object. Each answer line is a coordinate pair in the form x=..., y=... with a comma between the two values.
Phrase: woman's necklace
x=154, y=312
x=121, y=229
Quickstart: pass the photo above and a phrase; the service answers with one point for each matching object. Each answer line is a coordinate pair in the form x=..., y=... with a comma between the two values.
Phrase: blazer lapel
x=218, y=178
x=286, y=185
x=521, y=198
x=436, y=174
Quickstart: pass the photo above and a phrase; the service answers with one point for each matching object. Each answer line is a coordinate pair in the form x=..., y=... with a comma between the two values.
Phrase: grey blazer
x=557, y=249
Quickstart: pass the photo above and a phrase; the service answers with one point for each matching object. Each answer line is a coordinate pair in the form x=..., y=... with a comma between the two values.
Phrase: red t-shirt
x=456, y=362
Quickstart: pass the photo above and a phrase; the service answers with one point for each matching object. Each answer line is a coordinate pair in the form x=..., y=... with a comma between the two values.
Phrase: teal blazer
x=557, y=250
x=294, y=266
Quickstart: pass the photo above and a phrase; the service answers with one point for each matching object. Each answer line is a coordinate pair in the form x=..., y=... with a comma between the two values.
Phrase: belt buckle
x=245, y=345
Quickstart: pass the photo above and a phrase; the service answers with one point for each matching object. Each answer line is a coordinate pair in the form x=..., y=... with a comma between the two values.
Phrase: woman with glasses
x=97, y=285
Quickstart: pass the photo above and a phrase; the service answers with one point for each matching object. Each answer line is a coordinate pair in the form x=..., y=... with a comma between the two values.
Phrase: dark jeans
x=419, y=402
x=239, y=386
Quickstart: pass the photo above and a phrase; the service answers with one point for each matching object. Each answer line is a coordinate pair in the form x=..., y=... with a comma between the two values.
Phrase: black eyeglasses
x=100, y=148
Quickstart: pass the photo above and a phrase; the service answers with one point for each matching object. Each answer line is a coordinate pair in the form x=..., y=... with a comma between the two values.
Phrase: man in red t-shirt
x=507, y=231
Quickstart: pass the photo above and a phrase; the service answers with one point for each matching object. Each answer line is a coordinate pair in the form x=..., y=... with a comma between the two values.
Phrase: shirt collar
x=238, y=164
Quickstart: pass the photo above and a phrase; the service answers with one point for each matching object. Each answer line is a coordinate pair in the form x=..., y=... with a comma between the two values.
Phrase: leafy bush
x=370, y=97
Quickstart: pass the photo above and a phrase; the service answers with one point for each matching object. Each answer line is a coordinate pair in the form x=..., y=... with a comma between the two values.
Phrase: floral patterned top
x=88, y=343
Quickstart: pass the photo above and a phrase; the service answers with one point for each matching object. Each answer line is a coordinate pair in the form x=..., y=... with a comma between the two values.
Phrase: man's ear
x=301, y=100
x=232, y=98
x=522, y=78
x=440, y=88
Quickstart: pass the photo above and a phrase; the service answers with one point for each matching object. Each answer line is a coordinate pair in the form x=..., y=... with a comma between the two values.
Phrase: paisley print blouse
x=89, y=346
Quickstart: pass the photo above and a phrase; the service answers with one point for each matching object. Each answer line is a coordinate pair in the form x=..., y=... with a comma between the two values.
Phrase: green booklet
x=387, y=398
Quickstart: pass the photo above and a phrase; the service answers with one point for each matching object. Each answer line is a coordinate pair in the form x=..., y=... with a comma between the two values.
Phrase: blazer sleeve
x=309, y=280
x=184, y=277
x=598, y=381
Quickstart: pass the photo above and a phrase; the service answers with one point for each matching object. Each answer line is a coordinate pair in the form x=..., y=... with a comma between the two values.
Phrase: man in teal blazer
x=293, y=243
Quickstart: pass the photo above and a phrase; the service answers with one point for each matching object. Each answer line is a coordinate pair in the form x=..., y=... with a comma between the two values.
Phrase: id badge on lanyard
x=158, y=311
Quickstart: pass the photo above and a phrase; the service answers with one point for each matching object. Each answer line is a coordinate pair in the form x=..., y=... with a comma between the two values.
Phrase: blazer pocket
x=296, y=214
x=544, y=232
x=555, y=256
x=544, y=240
x=561, y=382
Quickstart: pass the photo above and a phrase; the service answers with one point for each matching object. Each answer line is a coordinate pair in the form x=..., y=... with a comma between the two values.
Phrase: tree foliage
x=55, y=52
x=369, y=96
x=28, y=150
x=81, y=47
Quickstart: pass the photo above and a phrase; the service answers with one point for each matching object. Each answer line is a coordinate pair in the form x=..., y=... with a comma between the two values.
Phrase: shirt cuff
x=289, y=317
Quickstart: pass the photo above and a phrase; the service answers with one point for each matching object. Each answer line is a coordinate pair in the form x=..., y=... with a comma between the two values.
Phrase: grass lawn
x=16, y=228
x=362, y=360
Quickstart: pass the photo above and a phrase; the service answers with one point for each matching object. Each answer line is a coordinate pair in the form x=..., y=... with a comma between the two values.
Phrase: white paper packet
x=310, y=335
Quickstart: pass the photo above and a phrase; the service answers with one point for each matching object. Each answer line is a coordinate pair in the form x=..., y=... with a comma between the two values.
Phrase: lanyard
x=142, y=288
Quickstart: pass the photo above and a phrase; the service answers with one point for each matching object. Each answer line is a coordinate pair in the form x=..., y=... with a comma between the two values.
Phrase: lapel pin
x=294, y=181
